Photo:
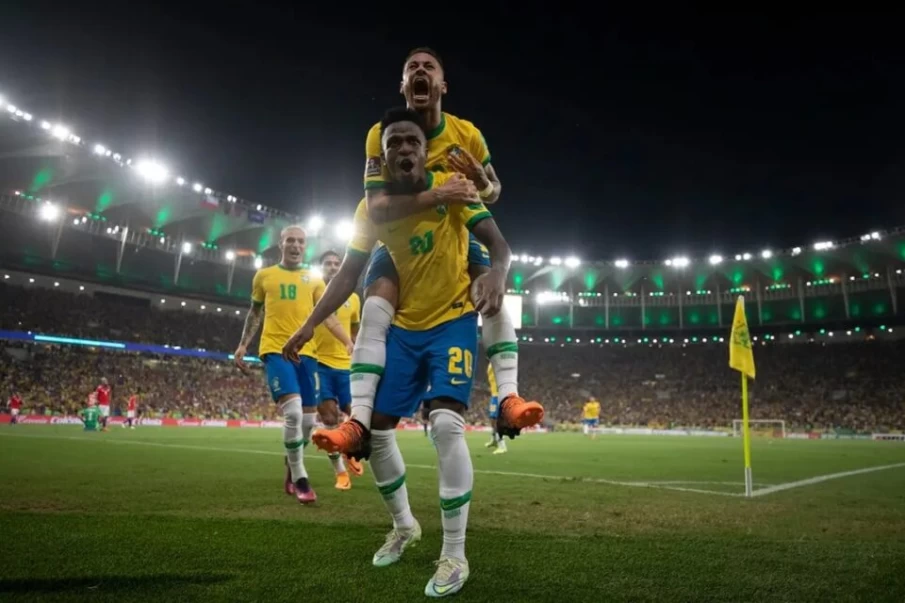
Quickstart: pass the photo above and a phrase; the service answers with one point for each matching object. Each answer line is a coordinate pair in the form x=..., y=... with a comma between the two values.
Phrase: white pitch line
x=561, y=478
x=822, y=478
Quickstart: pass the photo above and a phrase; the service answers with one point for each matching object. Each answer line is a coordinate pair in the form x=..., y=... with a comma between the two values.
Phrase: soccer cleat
x=350, y=438
x=491, y=444
x=343, y=482
x=304, y=493
x=288, y=486
x=355, y=467
x=397, y=541
x=449, y=578
x=517, y=414
x=500, y=451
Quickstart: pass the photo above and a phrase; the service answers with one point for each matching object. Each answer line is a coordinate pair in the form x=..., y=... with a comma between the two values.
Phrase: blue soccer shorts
x=284, y=378
x=441, y=358
x=334, y=385
x=381, y=263
x=591, y=422
x=494, y=409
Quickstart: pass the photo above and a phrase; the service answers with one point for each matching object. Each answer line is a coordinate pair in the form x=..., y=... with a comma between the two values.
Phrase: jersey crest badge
x=372, y=167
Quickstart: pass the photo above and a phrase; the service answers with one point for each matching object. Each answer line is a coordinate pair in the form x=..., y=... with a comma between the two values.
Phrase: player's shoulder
x=460, y=123
x=372, y=140
x=309, y=277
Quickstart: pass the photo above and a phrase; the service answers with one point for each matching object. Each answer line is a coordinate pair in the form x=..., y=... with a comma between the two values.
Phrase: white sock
x=456, y=479
x=369, y=357
x=338, y=465
x=292, y=437
x=501, y=444
x=308, y=420
x=389, y=473
x=584, y=429
x=501, y=344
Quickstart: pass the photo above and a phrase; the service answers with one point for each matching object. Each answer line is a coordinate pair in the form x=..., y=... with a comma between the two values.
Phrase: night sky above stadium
x=612, y=137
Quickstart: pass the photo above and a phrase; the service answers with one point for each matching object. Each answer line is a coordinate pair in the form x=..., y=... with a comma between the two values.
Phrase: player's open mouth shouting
x=421, y=90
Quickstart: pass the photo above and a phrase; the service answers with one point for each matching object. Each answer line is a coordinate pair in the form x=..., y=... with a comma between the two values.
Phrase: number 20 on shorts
x=460, y=361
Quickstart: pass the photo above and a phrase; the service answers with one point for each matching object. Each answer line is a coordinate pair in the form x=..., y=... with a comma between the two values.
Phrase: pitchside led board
x=513, y=305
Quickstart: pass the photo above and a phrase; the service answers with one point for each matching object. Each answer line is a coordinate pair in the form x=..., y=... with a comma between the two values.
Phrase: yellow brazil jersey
x=491, y=379
x=330, y=350
x=452, y=132
x=592, y=410
x=288, y=297
x=429, y=250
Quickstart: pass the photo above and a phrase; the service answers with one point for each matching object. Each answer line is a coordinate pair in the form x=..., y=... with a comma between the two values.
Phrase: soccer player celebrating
x=15, y=407
x=455, y=145
x=333, y=365
x=130, y=413
x=103, y=401
x=283, y=296
x=496, y=441
x=433, y=341
x=590, y=413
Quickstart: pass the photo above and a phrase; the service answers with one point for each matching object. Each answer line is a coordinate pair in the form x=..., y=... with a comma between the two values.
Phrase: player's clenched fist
x=457, y=189
x=487, y=292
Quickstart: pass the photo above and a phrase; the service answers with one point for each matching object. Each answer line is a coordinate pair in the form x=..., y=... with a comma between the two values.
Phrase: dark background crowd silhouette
x=848, y=386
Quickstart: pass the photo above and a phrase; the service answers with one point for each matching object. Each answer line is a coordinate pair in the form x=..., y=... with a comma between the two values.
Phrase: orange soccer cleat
x=355, y=467
x=350, y=439
x=343, y=482
x=517, y=414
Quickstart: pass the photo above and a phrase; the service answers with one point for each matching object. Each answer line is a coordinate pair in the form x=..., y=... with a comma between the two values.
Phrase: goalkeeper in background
x=90, y=416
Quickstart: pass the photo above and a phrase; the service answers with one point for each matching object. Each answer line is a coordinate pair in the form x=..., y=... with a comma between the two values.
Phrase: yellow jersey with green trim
x=429, y=250
x=330, y=350
x=288, y=296
x=591, y=409
x=452, y=132
x=491, y=380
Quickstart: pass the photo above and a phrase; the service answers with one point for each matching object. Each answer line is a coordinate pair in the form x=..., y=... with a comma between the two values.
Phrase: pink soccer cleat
x=287, y=484
x=304, y=493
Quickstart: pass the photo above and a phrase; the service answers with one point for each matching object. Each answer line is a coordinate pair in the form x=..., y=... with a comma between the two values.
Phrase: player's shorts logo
x=275, y=384
x=458, y=381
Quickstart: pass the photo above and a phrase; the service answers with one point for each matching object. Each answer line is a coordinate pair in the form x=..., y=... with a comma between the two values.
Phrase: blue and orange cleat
x=304, y=493
x=516, y=414
x=351, y=438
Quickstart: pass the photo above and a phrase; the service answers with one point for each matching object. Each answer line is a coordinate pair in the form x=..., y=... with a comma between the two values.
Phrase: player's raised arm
x=474, y=163
x=337, y=292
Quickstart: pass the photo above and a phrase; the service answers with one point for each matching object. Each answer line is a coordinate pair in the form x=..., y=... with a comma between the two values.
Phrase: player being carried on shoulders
x=454, y=145
x=334, y=363
x=433, y=340
x=283, y=296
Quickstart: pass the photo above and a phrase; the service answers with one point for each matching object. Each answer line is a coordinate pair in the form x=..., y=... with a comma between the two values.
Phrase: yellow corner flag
x=741, y=358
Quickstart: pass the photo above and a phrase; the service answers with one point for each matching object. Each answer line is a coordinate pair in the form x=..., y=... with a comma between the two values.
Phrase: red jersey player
x=103, y=401
x=15, y=406
x=131, y=412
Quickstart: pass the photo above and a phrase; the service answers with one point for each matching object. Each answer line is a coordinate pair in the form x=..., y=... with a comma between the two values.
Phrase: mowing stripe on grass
x=822, y=478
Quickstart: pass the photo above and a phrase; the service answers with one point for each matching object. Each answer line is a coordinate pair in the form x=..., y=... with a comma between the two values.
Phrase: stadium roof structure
x=75, y=206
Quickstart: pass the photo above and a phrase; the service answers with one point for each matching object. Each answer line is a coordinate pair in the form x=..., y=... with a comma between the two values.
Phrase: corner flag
x=741, y=358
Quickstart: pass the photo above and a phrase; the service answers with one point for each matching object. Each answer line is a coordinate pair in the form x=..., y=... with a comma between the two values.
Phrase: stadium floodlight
x=680, y=262
x=183, y=304
x=186, y=247
x=56, y=283
x=230, y=255
x=538, y=260
x=556, y=260
x=796, y=251
x=315, y=224
x=45, y=125
x=345, y=230
x=100, y=149
x=49, y=212
x=208, y=191
x=61, y=132
x=197, y=187
x=766, y=254
x=27, y=116
x=11, y=108
x=219, y=309
x=259, y=261
x=823, y=245
x=203, y=307
x=746, y=256
x=715, y=259
x=152, y=171
x=76, y=222
x=180, y=181
x=572, y=262
x=523, y=258
x=621, y=263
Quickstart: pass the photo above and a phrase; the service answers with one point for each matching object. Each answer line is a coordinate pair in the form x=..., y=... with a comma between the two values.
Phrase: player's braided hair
x=426, y=50
x=399, y=114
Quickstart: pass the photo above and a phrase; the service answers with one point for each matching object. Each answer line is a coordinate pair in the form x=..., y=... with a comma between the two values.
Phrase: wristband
x=484, y=194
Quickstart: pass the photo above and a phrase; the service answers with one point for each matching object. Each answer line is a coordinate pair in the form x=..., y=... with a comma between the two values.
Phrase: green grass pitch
x=196, y=514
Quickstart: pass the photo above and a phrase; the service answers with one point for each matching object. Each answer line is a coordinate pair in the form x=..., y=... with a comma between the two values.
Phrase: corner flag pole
x=746, y=438
x=741, y=358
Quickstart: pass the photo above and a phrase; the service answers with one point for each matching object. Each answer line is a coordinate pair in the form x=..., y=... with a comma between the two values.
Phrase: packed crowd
x=858, y=386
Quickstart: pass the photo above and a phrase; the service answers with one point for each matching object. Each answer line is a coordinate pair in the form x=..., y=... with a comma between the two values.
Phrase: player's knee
x=382, y=422
x=292, y=410
x=383, y=288
x=446, y=424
